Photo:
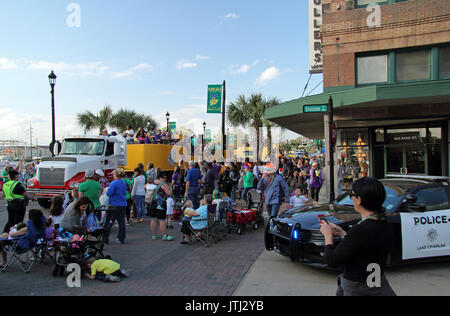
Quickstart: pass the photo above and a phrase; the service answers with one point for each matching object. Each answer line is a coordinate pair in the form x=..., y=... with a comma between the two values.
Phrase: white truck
x=74, y=156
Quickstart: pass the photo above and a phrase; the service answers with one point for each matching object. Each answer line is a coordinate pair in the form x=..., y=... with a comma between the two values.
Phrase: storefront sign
x=315, y=38
x=214, y=99
x=405, y=138
x=317, y=108
x=426, y=235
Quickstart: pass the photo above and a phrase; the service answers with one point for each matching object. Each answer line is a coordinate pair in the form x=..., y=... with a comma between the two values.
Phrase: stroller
x=253, y=215
x=70, y=248
x=177, y=210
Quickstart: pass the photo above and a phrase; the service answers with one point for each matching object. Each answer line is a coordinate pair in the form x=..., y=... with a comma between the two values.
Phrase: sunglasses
x=352, y=195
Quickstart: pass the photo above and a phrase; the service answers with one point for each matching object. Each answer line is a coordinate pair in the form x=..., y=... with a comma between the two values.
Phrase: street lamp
x=203, y=140
x=52, y=80
x=168, y=118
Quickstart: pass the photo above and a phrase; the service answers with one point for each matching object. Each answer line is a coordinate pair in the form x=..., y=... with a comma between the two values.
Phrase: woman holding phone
x=365, y=246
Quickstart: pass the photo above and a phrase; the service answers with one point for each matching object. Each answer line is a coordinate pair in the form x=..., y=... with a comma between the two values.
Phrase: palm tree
x=249, y=113
x=268, y=124
x=124, y=117
x=100, y=120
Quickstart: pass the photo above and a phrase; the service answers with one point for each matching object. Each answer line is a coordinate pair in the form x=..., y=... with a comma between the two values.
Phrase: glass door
x=407, y=159
x=394, y=159
x=415, y=159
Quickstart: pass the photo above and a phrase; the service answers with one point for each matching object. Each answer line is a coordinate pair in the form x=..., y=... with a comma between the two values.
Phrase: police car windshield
x=83, y=147
x=393, y=196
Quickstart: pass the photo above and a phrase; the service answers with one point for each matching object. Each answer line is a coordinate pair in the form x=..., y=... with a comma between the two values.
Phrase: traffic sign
x=315, y=108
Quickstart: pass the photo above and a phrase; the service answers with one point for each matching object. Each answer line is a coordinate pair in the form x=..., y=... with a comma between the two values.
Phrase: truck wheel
x=45, y=203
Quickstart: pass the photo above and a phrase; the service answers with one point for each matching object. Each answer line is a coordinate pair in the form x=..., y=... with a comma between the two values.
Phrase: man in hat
x=91, y=188
x=275, y=189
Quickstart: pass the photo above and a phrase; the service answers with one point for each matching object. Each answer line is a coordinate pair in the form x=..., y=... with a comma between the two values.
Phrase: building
x=387, y=68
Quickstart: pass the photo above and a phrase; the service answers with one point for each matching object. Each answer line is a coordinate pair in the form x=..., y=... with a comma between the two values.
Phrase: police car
x=418, y=207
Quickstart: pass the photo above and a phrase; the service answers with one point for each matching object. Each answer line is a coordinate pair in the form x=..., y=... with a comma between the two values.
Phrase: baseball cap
x=89, y=173
x=270, y=168
x=100, y=173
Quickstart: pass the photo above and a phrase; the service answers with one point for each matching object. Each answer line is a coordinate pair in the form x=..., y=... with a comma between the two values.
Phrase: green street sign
x=208, y=137
x=214, y=99
x=316, y=108
x=173, y=126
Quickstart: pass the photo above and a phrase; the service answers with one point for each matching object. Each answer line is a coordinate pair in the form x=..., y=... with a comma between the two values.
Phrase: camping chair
x=24, y=258
x=210, y=231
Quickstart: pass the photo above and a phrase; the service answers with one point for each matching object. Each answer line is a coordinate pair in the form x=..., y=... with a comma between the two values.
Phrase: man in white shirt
x=129, y=135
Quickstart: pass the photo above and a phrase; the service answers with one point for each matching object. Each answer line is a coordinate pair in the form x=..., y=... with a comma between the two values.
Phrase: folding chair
x=24, y=258
x=210, y=231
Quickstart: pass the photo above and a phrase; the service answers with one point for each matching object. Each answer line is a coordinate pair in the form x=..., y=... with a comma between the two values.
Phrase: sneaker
x=154, y=237
x=168, y=238
x=119, y=242
x=111, y=278
x=126, y=273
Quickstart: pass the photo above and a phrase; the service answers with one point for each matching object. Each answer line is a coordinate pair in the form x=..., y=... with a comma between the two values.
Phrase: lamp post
x=203, y=140
x=168, y=118
x=52, y=80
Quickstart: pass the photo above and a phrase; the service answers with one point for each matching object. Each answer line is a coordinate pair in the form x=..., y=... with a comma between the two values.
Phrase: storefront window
x=413, y=65
x=372, y=69
x=444, y=62
x=435, y=135
x=353, y=151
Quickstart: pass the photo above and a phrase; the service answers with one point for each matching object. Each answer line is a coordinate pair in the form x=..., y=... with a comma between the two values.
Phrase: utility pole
x=31, y=142
x=331, y=148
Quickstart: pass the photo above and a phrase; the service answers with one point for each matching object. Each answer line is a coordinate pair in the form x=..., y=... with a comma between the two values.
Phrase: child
x=105, y=270
x=169, y=212
x=49, y=230
x=299, y=200
x=185, y=223
x=57, y=210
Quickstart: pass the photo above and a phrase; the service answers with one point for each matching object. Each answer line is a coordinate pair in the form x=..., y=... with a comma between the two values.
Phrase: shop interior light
x=360, y=142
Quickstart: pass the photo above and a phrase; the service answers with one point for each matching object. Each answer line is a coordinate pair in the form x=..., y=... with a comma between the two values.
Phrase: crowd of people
x=99, y=203
x=144, y=136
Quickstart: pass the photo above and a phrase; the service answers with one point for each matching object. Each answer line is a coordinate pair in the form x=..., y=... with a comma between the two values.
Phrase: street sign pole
x=224, y=145
x=331, y=146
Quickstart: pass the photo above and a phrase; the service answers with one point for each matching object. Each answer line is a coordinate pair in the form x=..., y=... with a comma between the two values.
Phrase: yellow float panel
x=159, y=155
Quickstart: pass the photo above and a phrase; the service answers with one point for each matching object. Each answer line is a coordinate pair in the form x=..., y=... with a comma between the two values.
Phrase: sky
x=149, y=56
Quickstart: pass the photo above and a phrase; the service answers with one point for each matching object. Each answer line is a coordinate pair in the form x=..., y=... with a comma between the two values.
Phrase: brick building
x=387, y=68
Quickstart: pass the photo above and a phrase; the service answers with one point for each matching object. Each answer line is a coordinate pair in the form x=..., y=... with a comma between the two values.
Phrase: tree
x=124, y=117
x=251, y=113
x=100, y=120
x=120, y=120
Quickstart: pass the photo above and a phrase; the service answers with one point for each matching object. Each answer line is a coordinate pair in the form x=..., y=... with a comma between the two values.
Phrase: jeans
x=273, y=209
x=140, y=209
x=233, y=194
x=193, y=194
x=115, y=213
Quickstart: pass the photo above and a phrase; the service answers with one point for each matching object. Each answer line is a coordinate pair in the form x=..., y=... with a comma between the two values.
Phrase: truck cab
x=73, y=156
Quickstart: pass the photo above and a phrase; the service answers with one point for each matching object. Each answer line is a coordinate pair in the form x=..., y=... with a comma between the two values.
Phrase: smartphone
x=322, y=218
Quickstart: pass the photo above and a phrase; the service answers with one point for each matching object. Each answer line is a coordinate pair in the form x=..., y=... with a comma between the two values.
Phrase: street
x=236, y=266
